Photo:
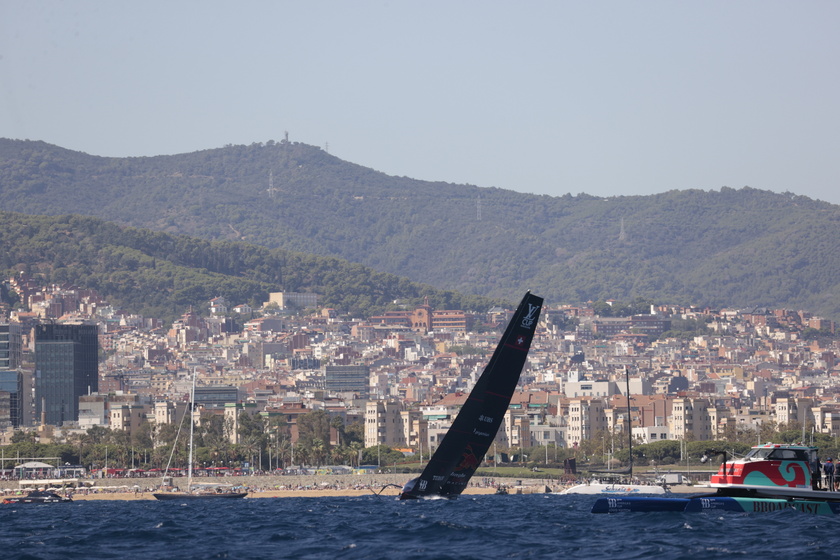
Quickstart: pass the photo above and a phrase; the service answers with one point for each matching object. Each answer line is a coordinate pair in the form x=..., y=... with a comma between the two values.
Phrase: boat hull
x=207, y=496
x=26, y=500
x=601, y=489
x=698, y=504
x=634, y=504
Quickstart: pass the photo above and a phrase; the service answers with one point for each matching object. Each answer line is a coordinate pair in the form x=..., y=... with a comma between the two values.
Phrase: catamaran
x=608, y=485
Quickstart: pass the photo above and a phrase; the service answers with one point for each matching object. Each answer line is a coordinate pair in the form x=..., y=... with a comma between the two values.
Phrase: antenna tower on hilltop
x=271, y=189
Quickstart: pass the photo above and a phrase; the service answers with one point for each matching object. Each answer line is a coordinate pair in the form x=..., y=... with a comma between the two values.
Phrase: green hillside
x=160, y=275
x=743, y=247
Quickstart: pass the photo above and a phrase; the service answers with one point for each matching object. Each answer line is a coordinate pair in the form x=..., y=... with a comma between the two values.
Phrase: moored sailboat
x=205, y=491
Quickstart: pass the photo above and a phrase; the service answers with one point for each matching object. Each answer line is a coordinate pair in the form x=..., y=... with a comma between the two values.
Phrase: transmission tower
x=271, y=189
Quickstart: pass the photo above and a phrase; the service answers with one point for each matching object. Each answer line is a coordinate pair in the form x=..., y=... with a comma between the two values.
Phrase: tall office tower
x=11, y=378
x=66, y=367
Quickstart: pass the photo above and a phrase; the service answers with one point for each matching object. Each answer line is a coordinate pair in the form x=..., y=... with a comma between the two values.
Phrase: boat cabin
x=771, y=464
x=780, y=452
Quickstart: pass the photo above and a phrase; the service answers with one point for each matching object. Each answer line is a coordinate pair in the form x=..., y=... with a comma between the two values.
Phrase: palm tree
x=284, y=448
x=215, y=438
x=303, y=453
x=160, y=455
x=355, y=452
x=77, y=440
x=251, y=446
x=339, y=454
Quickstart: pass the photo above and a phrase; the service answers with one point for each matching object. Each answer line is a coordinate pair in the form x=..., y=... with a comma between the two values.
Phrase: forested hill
x=160, y=275
x=726, y=247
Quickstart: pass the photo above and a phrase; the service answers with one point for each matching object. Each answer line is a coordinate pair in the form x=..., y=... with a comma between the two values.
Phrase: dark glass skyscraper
x=339, y=379
x=66, y=367
x=11, y=379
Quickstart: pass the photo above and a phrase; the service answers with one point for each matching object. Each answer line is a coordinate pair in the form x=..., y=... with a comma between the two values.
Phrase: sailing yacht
x=614, y=487
x=205, y=491
x=474, y=429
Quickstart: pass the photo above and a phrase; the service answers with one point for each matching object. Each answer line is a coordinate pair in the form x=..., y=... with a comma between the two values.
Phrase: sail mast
x=629, y=419
x=192, y=429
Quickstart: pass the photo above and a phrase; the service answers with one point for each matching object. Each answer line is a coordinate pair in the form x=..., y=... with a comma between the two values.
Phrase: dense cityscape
x=71, y=365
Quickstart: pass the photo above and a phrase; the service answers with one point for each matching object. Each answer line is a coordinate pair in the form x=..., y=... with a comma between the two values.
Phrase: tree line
x=159, y=275
x=266, y=445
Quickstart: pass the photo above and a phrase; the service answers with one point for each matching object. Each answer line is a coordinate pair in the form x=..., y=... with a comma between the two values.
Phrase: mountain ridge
x=728, y=247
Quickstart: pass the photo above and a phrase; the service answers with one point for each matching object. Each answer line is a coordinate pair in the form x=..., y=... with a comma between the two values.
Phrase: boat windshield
x=759, y=453
x=777, y=453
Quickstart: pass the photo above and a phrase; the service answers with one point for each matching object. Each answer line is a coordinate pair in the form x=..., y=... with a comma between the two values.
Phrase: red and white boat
x=770, y=470
x=770, y=477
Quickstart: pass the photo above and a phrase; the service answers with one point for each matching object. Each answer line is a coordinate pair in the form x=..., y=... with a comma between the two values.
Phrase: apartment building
x=515, y=430
x=587, y=416
x=293, y=300
x=233, y=413
x=384, y=423
x=793, y=410
x=690, y=419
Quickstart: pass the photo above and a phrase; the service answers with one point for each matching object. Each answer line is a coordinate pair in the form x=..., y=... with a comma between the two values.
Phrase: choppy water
x=527, y=526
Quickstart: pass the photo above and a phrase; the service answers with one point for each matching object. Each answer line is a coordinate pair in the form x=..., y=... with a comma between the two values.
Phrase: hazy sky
x=603, y=97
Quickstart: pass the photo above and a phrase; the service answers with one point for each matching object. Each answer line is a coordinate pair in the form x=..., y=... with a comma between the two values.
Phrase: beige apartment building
x=690, y=419
x=587, y=416
x=384, y=423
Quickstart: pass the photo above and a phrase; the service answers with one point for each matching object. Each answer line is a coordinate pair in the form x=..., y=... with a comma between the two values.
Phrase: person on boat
x=816, y=472
x=828, y=469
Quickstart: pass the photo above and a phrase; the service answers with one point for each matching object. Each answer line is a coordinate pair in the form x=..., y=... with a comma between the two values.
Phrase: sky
x=608, y=98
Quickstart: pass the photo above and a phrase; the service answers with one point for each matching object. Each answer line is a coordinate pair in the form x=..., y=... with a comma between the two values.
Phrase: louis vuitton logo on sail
x=529, y=319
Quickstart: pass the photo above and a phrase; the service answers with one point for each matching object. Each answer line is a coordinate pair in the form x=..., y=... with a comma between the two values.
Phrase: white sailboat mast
x=192, y=429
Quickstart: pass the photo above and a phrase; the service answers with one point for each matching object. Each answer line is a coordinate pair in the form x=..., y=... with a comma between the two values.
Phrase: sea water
x=485, y=527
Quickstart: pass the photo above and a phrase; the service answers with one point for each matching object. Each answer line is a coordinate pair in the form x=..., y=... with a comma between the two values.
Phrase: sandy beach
x=305, y=486
x=392, y=492
x=311, y=486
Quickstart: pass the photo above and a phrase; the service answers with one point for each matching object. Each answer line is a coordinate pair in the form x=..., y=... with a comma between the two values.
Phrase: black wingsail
x=471, y=434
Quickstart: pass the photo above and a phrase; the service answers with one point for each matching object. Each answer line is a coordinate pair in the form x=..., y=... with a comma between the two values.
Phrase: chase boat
x=37, y=497
x=770, y=477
